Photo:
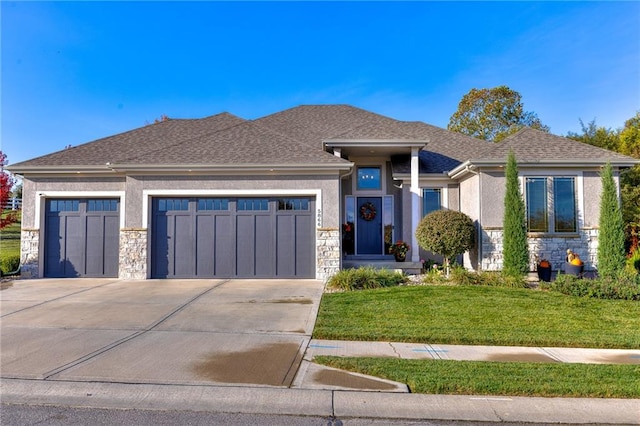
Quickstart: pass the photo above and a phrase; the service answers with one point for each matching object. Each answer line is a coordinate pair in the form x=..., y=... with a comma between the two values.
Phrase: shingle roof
x=530, y=145
x=246, y=143
x=114, y=149
x=312, y=124
x=445, y=150
x=295, y=137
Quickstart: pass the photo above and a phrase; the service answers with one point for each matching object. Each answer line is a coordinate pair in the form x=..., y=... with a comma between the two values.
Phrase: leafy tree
x=611, y=252
x=625, y=141
x=630, y=137
x=6, y=182
x=492, y=114
x=515, y=250
x=597, y=136
x=446, y=232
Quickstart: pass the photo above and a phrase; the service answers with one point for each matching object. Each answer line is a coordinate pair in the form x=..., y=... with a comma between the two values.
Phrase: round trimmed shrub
x=446, y=232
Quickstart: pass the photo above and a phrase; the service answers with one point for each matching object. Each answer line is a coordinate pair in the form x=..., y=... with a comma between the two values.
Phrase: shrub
x=9, y=264
x=365, y=278
x=446, y=232
x=633, y=263
x=462, y=276
x=611, y=238
x=515, y=250
x=623, y=286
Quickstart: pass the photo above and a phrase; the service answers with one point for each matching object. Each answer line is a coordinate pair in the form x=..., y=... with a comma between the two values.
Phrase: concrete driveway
x=157, y=331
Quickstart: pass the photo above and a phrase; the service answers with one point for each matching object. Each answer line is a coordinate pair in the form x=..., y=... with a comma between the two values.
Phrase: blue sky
x=74, y=72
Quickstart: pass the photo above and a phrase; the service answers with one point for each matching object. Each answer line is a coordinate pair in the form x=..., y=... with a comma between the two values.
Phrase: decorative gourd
x=576, y=261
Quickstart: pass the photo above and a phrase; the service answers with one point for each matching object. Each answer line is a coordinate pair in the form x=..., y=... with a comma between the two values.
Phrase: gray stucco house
x=293, y=194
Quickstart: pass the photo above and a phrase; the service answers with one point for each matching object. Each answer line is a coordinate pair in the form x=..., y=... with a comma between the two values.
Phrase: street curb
x=326, y=403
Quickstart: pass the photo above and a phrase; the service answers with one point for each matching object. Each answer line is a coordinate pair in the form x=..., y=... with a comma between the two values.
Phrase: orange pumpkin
x=545, y=264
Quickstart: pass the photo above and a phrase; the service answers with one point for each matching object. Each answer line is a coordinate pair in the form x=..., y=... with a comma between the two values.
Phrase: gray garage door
x=232, y=237
x=81, y=237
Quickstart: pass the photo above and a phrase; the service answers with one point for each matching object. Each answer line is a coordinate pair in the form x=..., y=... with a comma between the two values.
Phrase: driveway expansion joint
x=125, y=339
x=59, y=298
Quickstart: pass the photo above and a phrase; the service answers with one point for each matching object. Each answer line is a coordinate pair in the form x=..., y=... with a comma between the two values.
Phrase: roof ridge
x=367, y=124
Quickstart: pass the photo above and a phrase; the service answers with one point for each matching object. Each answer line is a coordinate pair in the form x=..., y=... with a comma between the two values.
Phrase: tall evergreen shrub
x=611, y=252
x=515, y=250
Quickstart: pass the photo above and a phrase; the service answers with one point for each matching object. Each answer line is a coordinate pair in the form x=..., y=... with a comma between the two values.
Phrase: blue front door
x=369, y=225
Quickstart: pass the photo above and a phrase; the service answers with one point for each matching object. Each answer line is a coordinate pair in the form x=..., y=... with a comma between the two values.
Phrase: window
x=252, y=204
x=369, y=178
x=293, y=204
x=551, y=204
x=102, y=205
x=64, y=206
x=167, y=204
x=213, y=204
x=431, y=200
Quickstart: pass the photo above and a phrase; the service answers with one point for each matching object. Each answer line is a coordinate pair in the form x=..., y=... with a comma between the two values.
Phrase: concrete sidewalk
x=470, y=353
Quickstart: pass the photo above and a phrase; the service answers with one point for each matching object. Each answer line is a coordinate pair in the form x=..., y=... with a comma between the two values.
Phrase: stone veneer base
x=133, y=254
x=327, y=252
x=29, y=247
x=552, y=248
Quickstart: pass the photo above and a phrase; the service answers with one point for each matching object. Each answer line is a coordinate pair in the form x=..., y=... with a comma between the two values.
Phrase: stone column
x=133, y=254
x=29, y=250
x=327, y=252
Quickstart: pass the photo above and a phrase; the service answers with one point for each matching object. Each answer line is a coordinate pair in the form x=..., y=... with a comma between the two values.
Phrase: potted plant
x=574, y=265
x=544, y=270
x=399, y=250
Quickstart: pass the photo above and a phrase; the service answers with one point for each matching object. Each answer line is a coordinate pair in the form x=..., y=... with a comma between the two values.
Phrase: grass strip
x=478, y=316
x=499, y=378
x=10, y=239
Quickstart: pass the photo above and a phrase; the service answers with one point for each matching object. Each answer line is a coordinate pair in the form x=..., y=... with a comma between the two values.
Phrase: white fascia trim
x=57, y=170
x=41, y=196
x=147, y=194
x=470, y=165
x=407, y=143
x=233, y=168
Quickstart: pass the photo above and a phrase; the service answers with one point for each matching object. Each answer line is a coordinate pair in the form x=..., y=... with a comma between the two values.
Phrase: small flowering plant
x=399, y=248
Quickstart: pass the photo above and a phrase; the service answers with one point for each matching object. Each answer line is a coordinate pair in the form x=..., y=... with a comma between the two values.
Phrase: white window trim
x=444, y=196
x=147, y=194
x=579, y=180
x=42, y=196
x=383, y=179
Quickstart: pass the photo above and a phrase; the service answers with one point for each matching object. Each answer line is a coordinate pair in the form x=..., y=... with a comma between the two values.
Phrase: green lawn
x=500, y=378
x=486, y=316
x=479, y=316
x=10, y=241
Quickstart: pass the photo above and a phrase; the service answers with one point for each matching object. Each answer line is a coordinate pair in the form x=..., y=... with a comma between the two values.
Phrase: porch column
x=415, y=203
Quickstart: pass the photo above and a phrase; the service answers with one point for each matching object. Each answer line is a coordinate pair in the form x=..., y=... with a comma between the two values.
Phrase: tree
x=630, y=137
x=515, y=250
x=597, y=136
x=625, y=141
x=492, y=114
x=6, y=182
x=611, y=252
x=446, y=232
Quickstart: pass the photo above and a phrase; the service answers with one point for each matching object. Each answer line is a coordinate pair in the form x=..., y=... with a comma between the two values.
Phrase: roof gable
x=535, y=146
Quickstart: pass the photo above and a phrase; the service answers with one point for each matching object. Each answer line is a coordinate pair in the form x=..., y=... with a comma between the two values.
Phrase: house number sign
x=319, y=218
